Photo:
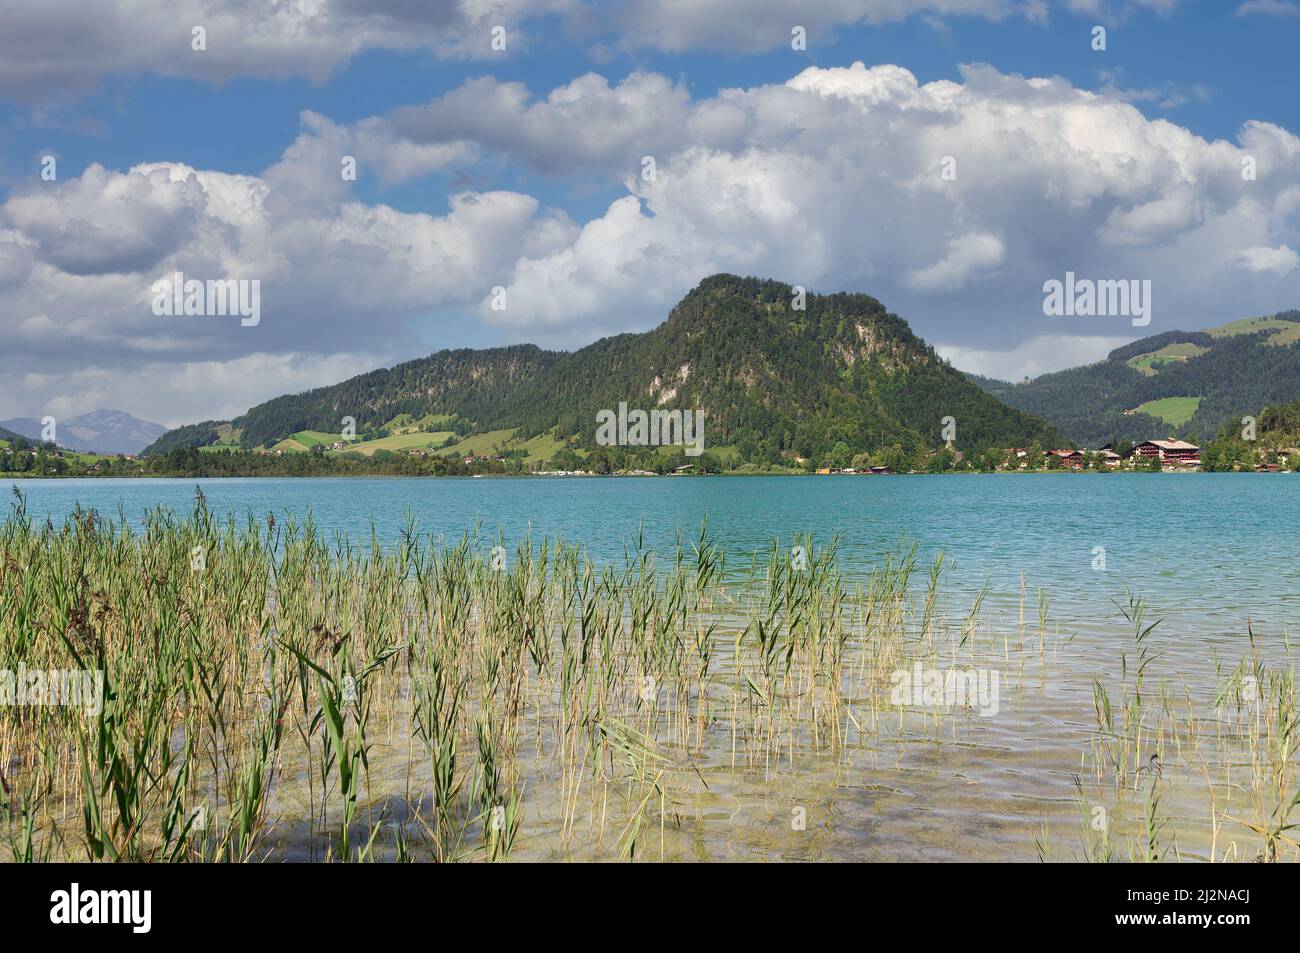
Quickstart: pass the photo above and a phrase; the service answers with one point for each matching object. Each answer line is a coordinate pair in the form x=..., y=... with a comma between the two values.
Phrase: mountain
x=100, y=431
x=27, y=427
x=1188, y=383
x=773, y=382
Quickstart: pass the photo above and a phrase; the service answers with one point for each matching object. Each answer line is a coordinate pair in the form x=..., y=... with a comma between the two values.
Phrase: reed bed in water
x=1240, y=744
x=270, y=694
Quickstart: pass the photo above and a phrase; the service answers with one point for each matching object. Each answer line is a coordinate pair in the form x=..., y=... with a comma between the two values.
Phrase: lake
x=1209, y=550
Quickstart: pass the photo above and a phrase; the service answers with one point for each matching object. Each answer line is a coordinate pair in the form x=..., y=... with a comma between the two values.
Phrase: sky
x=554, y=171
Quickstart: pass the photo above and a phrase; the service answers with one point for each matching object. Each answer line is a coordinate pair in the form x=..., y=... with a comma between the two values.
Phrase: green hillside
x=1172, y=410
x=774, y=383
x=1188, y=382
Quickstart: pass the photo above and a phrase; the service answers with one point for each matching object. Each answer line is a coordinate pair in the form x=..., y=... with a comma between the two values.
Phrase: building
x=1069, y=458
x=1016, y=456
x=1178, y=452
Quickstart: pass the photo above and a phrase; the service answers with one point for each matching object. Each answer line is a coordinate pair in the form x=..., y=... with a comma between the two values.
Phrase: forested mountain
x=482, y=386
x=1189, y=383
x=1275, y=440
x=774, y=383
x=185, y=438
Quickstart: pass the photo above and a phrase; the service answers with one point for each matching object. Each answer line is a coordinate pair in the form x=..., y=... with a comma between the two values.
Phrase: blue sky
x=793, y=164
x=1205, y=68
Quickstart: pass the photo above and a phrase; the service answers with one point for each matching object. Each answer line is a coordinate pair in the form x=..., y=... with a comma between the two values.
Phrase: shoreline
x=15, y=475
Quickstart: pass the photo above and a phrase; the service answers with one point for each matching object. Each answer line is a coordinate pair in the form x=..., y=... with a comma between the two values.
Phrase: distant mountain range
x=100, y=431
x=1184, y=383
x=774, y=381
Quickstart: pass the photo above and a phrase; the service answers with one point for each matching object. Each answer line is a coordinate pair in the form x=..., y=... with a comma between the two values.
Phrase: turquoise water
x=1210, y=550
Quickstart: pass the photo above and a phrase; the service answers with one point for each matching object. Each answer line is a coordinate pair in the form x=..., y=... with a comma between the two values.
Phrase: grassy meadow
x=1174, y=411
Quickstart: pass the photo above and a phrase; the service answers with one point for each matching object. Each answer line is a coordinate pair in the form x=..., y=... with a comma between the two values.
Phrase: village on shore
x=1168, y=455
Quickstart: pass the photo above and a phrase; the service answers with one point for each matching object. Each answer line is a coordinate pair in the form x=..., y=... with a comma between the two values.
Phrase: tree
x=941, y=461
x=707, y=463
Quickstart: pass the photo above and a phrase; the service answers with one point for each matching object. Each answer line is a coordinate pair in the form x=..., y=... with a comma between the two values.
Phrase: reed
x=270, y=694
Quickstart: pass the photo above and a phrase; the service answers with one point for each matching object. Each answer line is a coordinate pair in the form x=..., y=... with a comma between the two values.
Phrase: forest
x=779, y=375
